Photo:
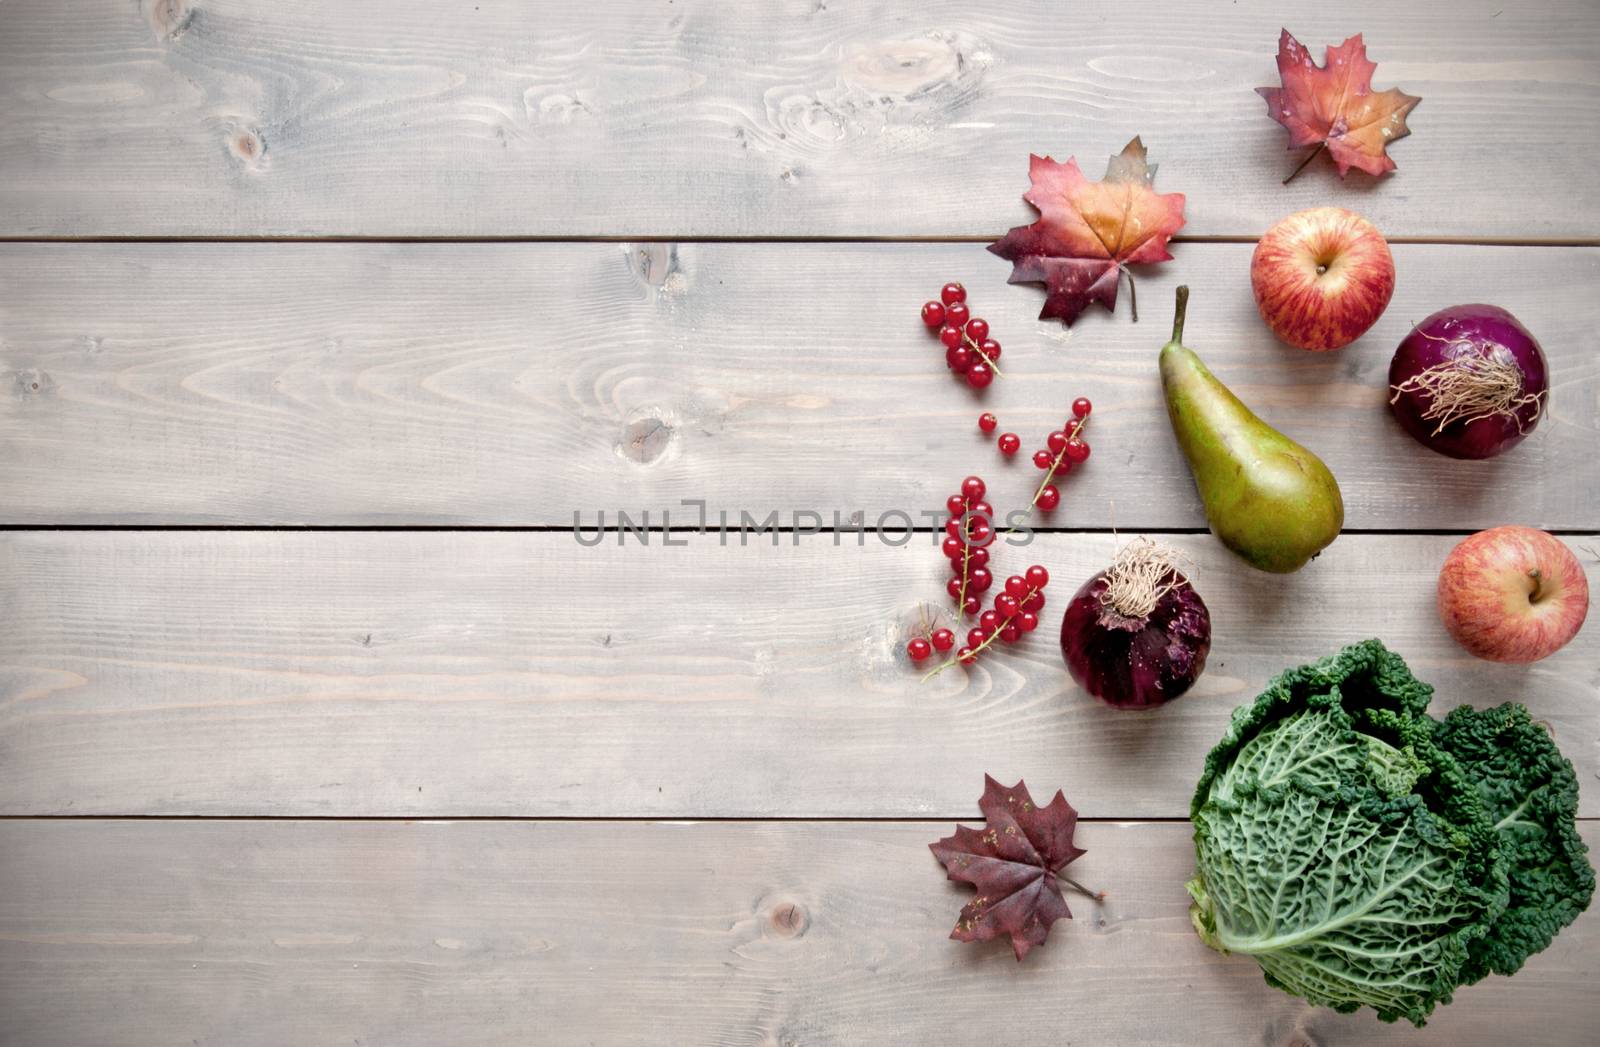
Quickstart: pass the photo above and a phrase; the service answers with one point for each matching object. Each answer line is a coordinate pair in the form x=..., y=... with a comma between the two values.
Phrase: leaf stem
x=1098, y=896
x=1313, y=155
x=1133, y=295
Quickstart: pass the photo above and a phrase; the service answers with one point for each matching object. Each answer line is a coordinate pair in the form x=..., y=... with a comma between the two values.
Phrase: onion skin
x=1447, y=335
x=1135, y=663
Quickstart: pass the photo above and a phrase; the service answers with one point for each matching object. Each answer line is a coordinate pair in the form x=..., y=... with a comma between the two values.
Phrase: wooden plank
x=392, y=117
x=495, y=674
x=251, y=933
x=519, y=384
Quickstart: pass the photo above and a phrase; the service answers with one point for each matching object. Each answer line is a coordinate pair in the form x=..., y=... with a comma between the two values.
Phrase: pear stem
x=1312, y=156
x=1177, y=317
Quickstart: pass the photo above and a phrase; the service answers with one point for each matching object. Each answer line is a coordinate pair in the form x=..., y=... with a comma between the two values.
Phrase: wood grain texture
x=810, y=118
x=515, y=674
x=258, y=934
x=519, y=384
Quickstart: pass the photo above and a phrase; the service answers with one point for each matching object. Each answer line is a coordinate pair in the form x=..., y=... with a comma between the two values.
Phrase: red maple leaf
x=1088, y=233
x=1333, y=107
x=1013, y=863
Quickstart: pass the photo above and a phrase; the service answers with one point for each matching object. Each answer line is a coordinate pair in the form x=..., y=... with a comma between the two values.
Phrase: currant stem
x=975, y=348
x=1050, y=473
x=1314, y=154
x=1032, y=591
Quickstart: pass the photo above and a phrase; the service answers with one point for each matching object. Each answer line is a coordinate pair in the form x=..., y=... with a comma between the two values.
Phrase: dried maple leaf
x=1088, y=233
x=1333, y=107
x=1013, y=863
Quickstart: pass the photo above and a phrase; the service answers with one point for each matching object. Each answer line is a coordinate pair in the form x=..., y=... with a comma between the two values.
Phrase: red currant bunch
x=1015, y=612
x=968, y=532
x=1064, y=449
x=968, y=349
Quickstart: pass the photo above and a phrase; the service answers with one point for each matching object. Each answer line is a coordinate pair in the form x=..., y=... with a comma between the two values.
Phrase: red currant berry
x=971, y=605
x=1043, y=459
x=975, y=637
x=1049, y=497
x=979, y=579
x=1077, y=451
x=950, y=336
x=1007, y=605
x=1080, y=407
x=966, y=655
x=957, y=313
x=983, y=509
x=955, y=505
x=977, y=557
x=979, y=375
x=979, y=531
x=952, y=292
x=1010, y=443
x=1009, y=634
x=919, y=649
x=988, y=422
x=943, y=639
x=1037, y=576
x=953, y=587
x=952, y=547
x=989, y=620
x=958, y=359
x=1056, y=441
x=977, y=328
x=1017, y=586
x=1027, y=620
x=973, y=489
x=933, y=313
x=1033, y=603
x=989, y=348
x=952, y=527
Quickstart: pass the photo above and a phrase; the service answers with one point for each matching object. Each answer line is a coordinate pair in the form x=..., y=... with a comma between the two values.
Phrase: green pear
x=1267, y=498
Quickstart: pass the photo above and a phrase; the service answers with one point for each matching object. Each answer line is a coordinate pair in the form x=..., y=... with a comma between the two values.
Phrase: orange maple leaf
x=1088, y=233
x=1333, y=107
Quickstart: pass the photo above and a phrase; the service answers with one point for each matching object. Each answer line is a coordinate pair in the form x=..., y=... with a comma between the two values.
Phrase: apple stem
x=1538, y=585
x=1177, y=316
x=1314, y=154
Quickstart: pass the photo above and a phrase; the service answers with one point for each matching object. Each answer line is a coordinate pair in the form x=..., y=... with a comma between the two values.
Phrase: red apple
x=1322, y=277
x=1512, y=594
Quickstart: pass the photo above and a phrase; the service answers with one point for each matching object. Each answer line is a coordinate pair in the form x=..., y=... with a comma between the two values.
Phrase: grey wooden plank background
x=492, y=674
x=243, y=933
x=515, y=384
x=405, y=117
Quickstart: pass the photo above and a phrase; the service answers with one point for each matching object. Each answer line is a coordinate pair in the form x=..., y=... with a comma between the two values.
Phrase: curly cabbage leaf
x=1366, y=855
x=1530, y=793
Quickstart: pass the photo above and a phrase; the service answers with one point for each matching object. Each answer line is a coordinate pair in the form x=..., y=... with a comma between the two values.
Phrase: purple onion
x=1138, y=652
x=1469, y=382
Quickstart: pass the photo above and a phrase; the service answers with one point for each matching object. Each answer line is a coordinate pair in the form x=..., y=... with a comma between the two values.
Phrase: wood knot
x=168, y=19
x=655, y=265
x=246, y=146
x=788, y=919
x=646, y=439
x=31, y=382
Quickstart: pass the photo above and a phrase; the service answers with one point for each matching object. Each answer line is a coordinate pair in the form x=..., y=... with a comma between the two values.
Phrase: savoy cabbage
x=1367, y=855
